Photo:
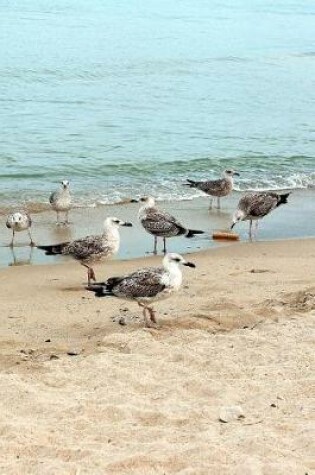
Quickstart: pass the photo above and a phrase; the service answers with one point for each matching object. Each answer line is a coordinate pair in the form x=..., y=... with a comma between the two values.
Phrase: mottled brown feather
x=143, y=283
x=162, y=224
x=90, y=248
x=218, y=188
x=258, y=205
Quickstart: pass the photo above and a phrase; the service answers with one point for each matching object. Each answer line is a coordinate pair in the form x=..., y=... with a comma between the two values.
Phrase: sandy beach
x=110, y=102
x=82, y=394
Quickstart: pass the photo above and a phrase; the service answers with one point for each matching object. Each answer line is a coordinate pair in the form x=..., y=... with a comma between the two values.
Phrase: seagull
x=218, y=188
x=255, y=206
x=159, y=223
x=91, y=249
x=146, y=286
x=19, y=221
x=60, y=201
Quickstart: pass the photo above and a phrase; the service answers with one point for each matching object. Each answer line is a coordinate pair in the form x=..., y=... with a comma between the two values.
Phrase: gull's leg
x=218, y=203
x=147, y=322
x=152, y=314
x=155, y=245
x=13, y=237
x=58, y=218
x=90, y=273
x=12, y=241
x=164, y=245
x=250, y=230
x=152, y=323
x=210, y=203
x=32, y=243
x=67, y=217
x=88, y=276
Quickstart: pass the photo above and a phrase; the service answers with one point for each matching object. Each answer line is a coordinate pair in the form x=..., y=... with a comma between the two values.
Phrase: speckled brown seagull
x=146, y=286
x=218, y=188
x=255, y=206
x=91, y=249
x=159, y=223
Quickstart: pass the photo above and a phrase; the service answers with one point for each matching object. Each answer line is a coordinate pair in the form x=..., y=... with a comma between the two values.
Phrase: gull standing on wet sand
x=91, y=249
x=218, y=188
x=146, y=286
x=159, y=223
x=255, y=206
x=60, y=201
x=17, y=222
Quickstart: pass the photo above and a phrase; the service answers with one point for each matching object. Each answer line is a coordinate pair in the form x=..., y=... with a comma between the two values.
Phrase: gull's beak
x=236, y=174
x=232, y=226
x=134, y=200
x=189, y=264
x=128, y=225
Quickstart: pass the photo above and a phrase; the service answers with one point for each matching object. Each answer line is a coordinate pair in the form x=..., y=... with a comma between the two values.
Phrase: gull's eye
x=177, y=259
x=116, y=221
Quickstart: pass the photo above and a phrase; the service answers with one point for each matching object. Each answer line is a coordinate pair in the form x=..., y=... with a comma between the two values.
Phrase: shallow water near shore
x=125, y=98
x=295, y=220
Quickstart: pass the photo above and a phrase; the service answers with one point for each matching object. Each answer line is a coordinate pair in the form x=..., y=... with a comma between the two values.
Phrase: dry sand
x=129, y=400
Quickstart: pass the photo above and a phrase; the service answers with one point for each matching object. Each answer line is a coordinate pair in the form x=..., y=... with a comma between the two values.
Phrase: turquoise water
x=125, y=97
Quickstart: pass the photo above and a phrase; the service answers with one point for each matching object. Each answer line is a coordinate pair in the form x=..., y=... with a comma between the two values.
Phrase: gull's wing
x=144, y=283
x=213, y=186
x=161, y=222
x=28, y=219
x=258, y=204
x=84, y=248
x=53, y=197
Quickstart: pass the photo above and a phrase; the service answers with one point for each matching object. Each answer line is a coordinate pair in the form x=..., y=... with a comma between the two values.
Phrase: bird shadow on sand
x=74, y=288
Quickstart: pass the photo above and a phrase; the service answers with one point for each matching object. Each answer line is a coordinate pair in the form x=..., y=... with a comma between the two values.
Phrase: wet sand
x=295, y=220
x=82, y=394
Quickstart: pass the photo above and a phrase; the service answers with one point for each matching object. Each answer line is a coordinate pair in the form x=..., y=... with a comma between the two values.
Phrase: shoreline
x=38, y=207
x=291, y=221
x=218, y=246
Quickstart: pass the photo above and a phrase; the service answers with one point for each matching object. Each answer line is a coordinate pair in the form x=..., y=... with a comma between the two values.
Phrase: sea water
x=126, y=98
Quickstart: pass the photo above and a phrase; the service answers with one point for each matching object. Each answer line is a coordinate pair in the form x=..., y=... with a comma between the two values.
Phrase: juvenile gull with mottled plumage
x=146, y=286
x=255, y=206
x=17, y=222
x=91, y=249
x=159, y=223
x=218, y=188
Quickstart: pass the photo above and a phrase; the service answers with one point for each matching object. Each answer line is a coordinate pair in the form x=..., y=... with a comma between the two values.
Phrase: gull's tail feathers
x=192, y=183
x=54, y=249
x=283, y=198
x=192, y=232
